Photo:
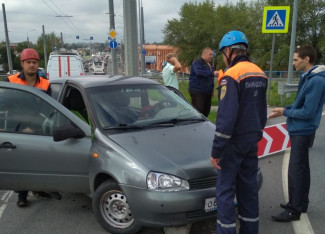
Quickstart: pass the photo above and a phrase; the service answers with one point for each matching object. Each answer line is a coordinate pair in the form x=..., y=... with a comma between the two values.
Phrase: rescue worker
x=29, y=76
x=241, y=118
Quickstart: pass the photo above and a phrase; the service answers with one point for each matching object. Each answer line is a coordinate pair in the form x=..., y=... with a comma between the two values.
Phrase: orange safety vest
x=241, y=71
x=42, y=83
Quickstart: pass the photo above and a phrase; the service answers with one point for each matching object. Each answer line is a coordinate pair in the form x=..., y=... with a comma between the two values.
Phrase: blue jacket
x=305, y=113
x=242, y=111
x=201, y=77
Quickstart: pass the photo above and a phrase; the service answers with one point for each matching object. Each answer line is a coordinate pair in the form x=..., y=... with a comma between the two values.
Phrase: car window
x=55, y=90
x=26, y=113
x=137, y=104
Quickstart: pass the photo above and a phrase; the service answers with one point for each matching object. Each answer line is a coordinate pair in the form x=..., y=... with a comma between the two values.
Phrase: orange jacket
x=41, y=83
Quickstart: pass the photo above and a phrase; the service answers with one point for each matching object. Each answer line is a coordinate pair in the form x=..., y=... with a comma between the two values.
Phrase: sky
x=83, y=18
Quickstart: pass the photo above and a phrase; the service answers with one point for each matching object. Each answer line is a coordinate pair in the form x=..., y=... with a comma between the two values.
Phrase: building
x=156, y=56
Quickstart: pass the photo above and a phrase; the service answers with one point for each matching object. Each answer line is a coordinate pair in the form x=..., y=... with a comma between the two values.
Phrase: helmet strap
x=230, y=55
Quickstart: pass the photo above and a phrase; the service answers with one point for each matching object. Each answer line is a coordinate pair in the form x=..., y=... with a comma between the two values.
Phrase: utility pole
x=44, y=45
x=7, y=39
x=131, y=38
x=142, y=40
x=112, y=26
x=292, y=41
x=62, y=41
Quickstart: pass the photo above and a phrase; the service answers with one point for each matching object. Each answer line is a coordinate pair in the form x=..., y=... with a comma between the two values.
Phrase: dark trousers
x=239, y=166
x=22, y=195
x=201, y=101
x=299, y=173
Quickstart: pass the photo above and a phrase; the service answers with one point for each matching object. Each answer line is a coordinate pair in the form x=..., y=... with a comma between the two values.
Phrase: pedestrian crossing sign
x=276, y=19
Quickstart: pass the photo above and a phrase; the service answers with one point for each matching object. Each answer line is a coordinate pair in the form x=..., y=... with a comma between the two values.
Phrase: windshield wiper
x=179, y=120
x=123, y=126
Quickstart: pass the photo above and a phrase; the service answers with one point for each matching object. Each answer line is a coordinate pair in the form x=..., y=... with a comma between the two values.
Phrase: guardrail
x=284, y=88
x=2, y=77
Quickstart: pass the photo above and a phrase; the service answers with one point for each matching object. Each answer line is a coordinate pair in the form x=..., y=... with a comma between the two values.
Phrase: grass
x=274, y=99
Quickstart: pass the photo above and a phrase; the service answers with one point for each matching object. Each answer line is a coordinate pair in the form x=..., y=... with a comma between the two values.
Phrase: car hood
x=180, y=150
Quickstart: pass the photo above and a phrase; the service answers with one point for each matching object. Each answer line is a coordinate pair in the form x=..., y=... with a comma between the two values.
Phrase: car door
x=29, y=157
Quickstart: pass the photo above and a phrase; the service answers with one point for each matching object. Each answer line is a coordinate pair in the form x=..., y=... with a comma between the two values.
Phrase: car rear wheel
x=112, y=210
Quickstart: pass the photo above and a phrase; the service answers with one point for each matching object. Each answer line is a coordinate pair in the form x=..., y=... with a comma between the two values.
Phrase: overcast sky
x=88, y=18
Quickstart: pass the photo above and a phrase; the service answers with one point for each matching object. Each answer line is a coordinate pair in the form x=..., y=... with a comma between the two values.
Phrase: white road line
x=4, y=200
x=302, y=226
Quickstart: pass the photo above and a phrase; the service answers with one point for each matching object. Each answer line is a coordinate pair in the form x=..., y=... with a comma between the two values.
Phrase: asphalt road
x=73, y=214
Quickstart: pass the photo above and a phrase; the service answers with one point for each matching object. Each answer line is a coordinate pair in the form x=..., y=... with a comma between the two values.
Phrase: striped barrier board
x=275, y=139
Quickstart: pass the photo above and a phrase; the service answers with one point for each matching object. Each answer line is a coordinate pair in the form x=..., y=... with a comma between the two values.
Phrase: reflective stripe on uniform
x=224, y=225
x=241, y=71
x=248, y=74
x=222, y=135
x=248, y=219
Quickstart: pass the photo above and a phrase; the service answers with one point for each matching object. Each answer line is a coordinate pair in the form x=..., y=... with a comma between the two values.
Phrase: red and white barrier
x=275, y=139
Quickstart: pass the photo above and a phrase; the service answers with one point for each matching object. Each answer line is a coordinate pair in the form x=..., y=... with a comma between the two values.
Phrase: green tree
x=4, y=58
x=203, y=24
x=194, y=30
x=51, y=41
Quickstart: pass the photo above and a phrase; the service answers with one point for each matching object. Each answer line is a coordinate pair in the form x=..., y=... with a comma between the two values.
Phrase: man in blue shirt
x=303, y=118
x=201, y=82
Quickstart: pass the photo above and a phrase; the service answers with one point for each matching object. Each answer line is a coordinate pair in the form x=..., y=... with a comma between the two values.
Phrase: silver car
x=141, y=150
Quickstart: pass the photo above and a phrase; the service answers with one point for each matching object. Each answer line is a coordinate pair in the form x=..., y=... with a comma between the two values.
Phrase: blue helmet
x=233, y=38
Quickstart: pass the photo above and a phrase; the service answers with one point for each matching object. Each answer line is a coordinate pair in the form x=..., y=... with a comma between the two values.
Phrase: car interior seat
x=77, y=105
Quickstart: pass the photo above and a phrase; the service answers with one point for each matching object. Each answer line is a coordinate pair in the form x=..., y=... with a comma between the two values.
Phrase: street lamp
x=28, y=37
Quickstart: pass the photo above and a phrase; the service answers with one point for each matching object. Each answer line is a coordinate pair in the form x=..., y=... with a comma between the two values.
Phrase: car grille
x=202, y=183
x=200, y=214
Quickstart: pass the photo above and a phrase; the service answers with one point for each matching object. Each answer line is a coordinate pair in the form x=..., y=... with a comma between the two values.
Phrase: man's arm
x=176, y=63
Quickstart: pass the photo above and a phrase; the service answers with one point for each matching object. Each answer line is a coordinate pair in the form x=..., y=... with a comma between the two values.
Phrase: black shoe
x=22, y=202
x=286, y=216
x=285, y=206
x=41, y=195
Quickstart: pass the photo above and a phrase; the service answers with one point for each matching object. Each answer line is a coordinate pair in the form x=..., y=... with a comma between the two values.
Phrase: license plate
x=210, y=204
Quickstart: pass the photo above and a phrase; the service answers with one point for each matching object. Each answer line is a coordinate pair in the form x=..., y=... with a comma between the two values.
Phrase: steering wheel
x=160, y=105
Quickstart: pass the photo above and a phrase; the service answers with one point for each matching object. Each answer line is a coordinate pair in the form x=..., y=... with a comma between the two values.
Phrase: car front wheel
x=112, y=210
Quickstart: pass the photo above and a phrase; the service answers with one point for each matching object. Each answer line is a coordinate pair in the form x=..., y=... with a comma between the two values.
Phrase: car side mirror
x=67, y=131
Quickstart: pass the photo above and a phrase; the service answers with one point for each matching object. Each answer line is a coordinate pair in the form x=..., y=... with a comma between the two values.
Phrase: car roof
x=103, y=80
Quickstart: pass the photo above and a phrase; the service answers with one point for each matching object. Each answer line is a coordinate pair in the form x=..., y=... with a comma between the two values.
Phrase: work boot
x=22, y=202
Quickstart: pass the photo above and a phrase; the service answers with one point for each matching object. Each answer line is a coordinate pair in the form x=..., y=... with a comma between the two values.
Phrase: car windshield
x=140, y=106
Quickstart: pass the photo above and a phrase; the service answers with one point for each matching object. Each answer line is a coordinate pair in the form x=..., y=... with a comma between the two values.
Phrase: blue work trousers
x=299, y=173
x=238, y=176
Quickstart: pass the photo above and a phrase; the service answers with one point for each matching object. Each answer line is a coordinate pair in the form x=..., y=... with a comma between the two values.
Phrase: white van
x=64, y=64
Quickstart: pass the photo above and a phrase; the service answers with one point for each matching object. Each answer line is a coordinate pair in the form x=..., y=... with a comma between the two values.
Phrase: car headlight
x=165, y=183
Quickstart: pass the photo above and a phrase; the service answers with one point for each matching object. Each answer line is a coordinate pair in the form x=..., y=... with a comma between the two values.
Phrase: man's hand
x=215, y=162
x=276, y=112
x=216, y=73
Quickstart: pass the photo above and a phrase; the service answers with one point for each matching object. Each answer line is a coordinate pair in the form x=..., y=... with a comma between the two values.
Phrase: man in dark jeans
x=303, y=118
x=201, y=82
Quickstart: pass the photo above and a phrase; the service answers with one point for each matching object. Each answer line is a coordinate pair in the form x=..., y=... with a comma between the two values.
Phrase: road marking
x=4, y=199
x=302, y=226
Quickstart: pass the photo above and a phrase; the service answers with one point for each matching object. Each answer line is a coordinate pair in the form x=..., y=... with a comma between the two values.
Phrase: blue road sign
x=113, y=44
x=276, y=19
x=143, y=51
x=214, y=53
